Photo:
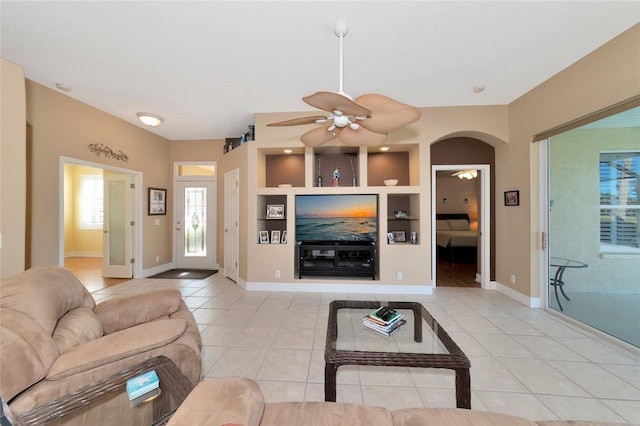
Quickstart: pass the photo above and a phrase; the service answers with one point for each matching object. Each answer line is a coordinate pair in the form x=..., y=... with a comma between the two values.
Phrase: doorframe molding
x=484, y=214
x=136, y=244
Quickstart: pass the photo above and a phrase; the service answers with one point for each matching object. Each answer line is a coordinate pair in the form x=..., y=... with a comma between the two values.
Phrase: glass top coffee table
x=106, y=401
x=422, y=342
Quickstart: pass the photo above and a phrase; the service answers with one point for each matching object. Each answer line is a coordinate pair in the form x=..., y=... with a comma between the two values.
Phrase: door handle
x=105, y=230
x=178, y=229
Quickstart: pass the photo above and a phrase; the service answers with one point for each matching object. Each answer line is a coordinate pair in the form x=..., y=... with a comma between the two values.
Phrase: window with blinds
x=91, y=202
x=619, y=201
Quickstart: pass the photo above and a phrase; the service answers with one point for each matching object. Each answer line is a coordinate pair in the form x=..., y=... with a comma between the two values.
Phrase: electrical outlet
x=157, y=259
x=277, y=273
x=399, y=275
x=513, y=279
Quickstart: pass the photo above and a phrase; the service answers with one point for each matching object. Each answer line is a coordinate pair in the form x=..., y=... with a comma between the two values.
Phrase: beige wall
x=12, y=167
x=65, y=127
x=607, y=76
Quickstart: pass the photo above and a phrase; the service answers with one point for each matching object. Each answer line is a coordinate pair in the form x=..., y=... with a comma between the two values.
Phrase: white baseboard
x=83, y=254
x=532, y=302
x=337, y=288
x=157, y=270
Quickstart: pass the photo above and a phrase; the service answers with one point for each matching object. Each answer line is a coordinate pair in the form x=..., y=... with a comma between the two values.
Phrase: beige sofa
x=239, y=401
x=54, y=339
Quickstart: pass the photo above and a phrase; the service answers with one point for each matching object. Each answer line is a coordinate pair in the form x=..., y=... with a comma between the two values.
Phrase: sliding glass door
x=594, y=236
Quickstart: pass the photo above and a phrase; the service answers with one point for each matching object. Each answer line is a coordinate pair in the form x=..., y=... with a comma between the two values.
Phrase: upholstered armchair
x=54, y=339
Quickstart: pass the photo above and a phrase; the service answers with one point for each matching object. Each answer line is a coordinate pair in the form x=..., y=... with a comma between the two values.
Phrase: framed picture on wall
x=512, y=198
x=157, y=201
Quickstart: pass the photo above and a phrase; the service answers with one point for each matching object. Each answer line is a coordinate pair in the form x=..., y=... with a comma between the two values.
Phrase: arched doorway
x=456, y=260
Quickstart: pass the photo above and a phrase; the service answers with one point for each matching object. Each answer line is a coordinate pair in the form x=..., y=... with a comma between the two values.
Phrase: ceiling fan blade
x=330, y=101
x=319, y=136
x=361, y=137
x=386, y=114
x=298, y=121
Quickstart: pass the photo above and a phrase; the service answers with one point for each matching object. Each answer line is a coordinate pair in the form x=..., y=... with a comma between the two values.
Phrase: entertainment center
x=339, y=258
x=335, y=232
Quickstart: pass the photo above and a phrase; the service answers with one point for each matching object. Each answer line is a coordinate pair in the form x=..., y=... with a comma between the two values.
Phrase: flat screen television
x=333, y=217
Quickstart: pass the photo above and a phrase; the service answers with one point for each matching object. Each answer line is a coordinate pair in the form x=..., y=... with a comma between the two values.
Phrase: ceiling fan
x=364, y=122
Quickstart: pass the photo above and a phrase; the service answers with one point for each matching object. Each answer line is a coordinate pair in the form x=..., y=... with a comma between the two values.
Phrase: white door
x=231, y=229
x=118, y=229
x=195, y=225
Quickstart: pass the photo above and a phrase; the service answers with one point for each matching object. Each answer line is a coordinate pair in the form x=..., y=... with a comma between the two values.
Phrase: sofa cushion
x=78, y=326
x=128, y=311
x=324, y=413
x=117, y=346
x=454, y=417
x=228, y=400
x=44, y=294
x=26, y=353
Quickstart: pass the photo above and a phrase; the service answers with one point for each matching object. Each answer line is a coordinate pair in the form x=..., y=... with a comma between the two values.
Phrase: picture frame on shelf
x=264, y=237
x=399, y=236
x=391, y=238
x=275, y=237
x=414, y=237
x=512, y=198
x=283, y=239
x=157, y=201
x=275, y=211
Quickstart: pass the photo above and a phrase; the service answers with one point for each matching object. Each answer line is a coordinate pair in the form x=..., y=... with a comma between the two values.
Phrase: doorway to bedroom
x=462, y=213
x=460, y=242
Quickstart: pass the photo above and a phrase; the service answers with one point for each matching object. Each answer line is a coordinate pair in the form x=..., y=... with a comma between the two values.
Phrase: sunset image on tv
x=336, y=217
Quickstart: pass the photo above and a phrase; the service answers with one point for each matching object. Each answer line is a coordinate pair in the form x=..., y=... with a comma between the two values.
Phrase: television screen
x=337, y=217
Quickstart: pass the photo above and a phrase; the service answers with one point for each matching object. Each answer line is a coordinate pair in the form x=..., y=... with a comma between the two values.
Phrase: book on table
x=142, y=384
x=384, y=320
x=384, y=316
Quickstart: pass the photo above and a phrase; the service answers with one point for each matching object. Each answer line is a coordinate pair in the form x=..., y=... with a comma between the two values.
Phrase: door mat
x=186, y=274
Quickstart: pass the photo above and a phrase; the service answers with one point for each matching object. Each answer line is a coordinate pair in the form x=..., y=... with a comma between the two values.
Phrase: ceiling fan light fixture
x=354, y=126
x=466, y=174
x=150, y=119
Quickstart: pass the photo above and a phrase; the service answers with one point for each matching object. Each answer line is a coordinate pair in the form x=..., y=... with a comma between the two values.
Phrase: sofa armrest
x=116, y=346
x=128, y=311
x=220, y=401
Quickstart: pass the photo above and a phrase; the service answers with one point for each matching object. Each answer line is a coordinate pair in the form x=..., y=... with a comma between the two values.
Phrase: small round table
x=562, y=264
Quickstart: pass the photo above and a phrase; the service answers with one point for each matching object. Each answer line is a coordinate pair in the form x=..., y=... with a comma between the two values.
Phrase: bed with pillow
x=455, y=238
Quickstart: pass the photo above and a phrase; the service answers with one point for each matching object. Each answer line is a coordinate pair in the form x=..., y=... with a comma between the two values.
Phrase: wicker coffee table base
x=455, y=360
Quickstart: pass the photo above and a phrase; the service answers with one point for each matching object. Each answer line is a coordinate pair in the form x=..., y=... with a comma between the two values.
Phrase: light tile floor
x=525, y=362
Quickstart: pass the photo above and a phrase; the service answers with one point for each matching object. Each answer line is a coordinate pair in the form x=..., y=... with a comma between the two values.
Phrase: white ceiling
x=208, y=66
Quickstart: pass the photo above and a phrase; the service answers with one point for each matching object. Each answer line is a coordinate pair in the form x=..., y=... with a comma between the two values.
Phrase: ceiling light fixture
x=150, y=119
x=479, y=88
x=466, y=174
x=63, y=87
x=288, y=151
x=384, y=148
